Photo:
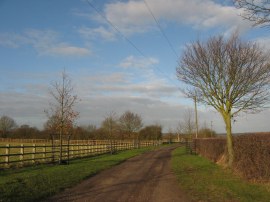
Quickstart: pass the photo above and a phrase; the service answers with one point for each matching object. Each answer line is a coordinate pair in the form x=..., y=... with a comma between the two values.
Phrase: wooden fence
x=25, y=154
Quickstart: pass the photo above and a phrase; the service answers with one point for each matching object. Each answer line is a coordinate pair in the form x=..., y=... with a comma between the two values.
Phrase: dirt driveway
x=145, y=178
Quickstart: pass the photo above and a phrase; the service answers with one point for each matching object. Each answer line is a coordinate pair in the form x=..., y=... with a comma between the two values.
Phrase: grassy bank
x=206, y=181
x=36, y=183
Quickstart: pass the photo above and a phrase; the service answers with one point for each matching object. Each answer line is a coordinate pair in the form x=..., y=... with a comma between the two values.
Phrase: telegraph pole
x=196, y=116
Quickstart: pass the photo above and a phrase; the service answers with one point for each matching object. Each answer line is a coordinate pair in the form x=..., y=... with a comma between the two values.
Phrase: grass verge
x=206, y=181
x=39, y=182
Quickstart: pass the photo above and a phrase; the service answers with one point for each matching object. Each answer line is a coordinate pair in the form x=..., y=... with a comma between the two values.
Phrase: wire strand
x=128, y=40
x=160, y=28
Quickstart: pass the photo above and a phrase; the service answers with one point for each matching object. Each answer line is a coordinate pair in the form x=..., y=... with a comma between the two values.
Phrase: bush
x=211, y=148
x=252, y=153
x=252, y=156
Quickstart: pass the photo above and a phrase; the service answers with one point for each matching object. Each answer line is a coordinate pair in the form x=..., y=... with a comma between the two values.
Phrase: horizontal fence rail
x=27, y=153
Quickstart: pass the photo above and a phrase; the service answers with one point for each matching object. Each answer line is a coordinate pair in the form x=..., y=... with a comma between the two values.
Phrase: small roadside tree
x=110, y=126
x=256, y=11
x=6, y=125
x=130, y=123
x=230, y=75
x=61, y=113
x=187, y=126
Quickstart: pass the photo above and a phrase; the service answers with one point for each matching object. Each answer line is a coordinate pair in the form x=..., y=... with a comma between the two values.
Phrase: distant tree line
x=128, y=126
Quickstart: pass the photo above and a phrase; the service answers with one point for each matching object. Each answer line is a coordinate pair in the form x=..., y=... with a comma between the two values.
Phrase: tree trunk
x=228, y=123
x=61, y=148
x=111, y=145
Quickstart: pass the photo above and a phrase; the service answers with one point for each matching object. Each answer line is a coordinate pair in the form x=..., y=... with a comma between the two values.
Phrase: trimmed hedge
x=252, y=154
x=211, y=148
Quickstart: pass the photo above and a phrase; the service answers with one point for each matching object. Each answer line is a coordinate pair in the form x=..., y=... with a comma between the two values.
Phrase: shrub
x=252, y=156
x=211, y=148
x=251, y=150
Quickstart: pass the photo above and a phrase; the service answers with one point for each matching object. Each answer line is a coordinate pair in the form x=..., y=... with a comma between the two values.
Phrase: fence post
x=7, y=154
x=33, y=153
x=84, y=149
x=22, y=153
x=80, y=150
x=44, y=152
x=71, y=151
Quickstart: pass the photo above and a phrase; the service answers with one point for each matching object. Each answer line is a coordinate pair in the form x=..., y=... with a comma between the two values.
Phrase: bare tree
x=230, y=75
x=130, y=123
x=110, y=125
x=187, y=126
x=256, y=11
x=6, y=124
x=61, y=113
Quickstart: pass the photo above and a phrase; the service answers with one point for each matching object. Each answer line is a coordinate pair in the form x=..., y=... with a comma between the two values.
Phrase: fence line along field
x=25, y=152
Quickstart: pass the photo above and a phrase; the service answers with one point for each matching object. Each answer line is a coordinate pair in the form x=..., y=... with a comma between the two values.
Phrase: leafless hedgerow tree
x=256, y=11
x=61, y=113
x=187, y=126
x=110, y=125
x=130, y=123
x=230, y=75
x=6, y=124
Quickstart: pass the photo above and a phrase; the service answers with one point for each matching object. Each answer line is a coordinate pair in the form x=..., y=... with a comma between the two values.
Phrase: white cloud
x=45, y=42
x=99, y=32
x=11, y=40
x=138, y=62
x=25, y=108
x=116, y=84
x=67, y=50
x=133, y=17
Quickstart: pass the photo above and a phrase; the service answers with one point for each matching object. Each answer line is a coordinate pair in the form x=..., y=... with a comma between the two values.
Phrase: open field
x=35, y=183
x=206, y=181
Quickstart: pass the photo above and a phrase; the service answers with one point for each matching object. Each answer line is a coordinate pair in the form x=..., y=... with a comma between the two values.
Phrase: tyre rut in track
x=144, y=178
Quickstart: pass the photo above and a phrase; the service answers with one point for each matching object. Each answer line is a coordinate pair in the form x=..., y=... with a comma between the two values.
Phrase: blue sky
x=38, y=39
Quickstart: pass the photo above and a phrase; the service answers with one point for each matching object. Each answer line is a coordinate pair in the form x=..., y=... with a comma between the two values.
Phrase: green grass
x=206, y=181
x=36, y=183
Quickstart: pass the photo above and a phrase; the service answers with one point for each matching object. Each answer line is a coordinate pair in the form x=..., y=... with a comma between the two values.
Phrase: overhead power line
x=128, y=40
x=160, y=28
x=115, y=28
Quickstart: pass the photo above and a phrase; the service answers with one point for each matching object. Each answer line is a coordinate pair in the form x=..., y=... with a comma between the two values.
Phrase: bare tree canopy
x=61, y=113
x=130, y=122
x=187, y=126
x=256, y=11
x=230, y=75
x=6, y=124
x=110, y=126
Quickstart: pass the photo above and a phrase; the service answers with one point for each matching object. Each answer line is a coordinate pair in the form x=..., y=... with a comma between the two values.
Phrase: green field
x=205, y=181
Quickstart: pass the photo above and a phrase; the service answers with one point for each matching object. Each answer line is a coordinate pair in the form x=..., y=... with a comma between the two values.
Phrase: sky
x=120, y=55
